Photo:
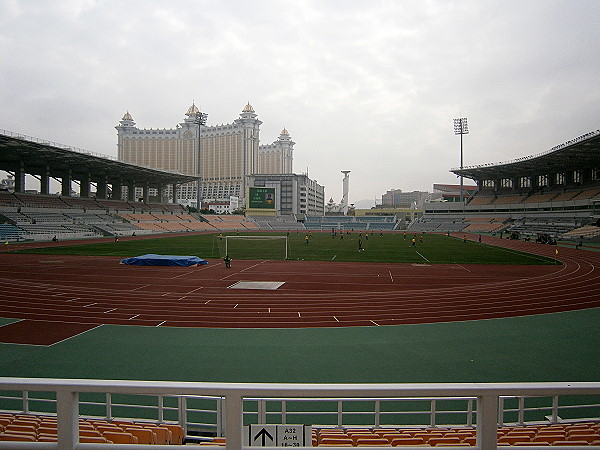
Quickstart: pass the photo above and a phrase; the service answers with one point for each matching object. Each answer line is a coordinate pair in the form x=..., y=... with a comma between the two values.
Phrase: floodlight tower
x=461, y=127
x=345, y=189
x=200, y=120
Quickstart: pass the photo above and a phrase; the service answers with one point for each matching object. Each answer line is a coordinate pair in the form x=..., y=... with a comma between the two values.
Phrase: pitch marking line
x=422, y=257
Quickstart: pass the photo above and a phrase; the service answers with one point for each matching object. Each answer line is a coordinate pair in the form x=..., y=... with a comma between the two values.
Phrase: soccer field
x=386, y=247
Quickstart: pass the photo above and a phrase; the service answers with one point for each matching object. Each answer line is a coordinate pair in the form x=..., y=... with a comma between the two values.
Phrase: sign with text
x=278, y=435
x=261, y=197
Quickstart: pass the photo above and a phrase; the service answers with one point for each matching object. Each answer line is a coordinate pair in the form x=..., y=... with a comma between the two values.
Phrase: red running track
x=98, y=290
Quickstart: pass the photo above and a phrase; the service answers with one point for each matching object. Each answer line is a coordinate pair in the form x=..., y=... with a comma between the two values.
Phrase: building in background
x=395, y=198
x=451, y=192
x=222, y=206
x=294, y=194
x=222, y=157
x=277, y=157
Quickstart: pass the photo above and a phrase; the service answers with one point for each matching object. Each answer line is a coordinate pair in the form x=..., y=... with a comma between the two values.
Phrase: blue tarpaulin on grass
x=164, y=260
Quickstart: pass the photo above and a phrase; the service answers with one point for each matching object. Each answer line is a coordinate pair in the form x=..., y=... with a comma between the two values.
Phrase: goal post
x=259, y=247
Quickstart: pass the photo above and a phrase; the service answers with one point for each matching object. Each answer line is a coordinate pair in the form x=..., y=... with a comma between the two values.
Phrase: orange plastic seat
x=90, y=433
x=335, y=440
x=17, y=437
x=120, y=438
x=443, y=440
x=177, y=435
x=47, y=438
x=550, y=438
x=94, y=439
x=589, y=438
x=401, y=442
x=11, y=428
x=163, y=435
x=144, y=435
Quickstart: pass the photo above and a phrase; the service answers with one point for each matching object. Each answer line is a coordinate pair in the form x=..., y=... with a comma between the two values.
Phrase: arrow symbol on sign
x=264, y=434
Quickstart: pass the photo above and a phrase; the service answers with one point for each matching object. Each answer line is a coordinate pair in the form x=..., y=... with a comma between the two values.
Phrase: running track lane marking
x=139, y=287
x=336, y=319
x=91, y=304
x=463, y=268
x=133, y=317
x=194, y=290
x=206, y=302
x=299, y=314
x=391, y=277
x=376, y=322
x=422, y=257
x=110, y=310
x=181, y=275
x=236, y=305
x=161, y=323
x=254, y=265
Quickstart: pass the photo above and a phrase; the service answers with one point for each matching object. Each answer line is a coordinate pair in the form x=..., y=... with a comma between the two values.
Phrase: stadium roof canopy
x=39, y=157
x=579, y=153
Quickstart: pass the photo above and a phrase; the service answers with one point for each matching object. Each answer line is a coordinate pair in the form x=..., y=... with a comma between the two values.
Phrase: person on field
x=306, y=239
x=360, y=247
x=227, y=260
x=413, y=242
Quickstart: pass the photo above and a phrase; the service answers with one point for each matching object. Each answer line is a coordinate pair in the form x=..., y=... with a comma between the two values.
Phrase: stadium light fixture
x=200, y=120
x=461, y=127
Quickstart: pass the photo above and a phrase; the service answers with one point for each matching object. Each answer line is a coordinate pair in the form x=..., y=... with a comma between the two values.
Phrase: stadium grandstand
x=555, y=193
x=114, y=393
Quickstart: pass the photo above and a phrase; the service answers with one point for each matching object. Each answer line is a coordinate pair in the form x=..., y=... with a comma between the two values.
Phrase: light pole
x=200, y=120
x=461, y=127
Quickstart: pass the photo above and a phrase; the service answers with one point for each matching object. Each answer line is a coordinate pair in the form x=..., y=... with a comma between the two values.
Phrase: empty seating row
x=542, y=435
x=24, y=427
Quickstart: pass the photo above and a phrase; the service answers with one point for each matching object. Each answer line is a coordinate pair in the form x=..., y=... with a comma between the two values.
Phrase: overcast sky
x=367, y=86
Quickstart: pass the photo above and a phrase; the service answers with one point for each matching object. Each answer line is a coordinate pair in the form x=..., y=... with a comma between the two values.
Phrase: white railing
x=488, y=399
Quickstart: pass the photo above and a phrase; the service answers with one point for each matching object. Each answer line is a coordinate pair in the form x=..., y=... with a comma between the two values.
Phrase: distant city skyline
x=372, y=88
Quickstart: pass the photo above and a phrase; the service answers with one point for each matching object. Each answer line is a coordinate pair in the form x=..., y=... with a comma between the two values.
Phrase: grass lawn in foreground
x=388, y=247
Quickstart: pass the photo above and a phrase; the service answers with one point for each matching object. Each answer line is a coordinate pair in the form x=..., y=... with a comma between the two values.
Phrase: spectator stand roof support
x=580, y=153
x=27, y=155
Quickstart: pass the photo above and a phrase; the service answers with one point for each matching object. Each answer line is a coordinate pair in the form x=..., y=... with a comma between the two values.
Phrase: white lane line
x=391, y=277
x=422, y=257
x=161, y=323
x=133, y=317
x=139, y=287
x=375, y=323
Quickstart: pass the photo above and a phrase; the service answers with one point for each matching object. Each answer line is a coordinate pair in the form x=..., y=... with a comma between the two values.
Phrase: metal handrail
x=487, y=399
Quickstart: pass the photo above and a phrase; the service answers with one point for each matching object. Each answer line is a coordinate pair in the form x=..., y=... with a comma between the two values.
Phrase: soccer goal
x=256, y=247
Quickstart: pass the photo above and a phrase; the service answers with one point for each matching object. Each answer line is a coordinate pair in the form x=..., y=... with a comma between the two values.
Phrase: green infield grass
x=387, y=247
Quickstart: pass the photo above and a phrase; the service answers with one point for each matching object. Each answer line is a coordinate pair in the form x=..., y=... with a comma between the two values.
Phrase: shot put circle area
x=52, y=298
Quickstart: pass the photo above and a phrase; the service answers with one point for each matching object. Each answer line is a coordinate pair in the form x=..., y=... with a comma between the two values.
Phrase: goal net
x=255, y=247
